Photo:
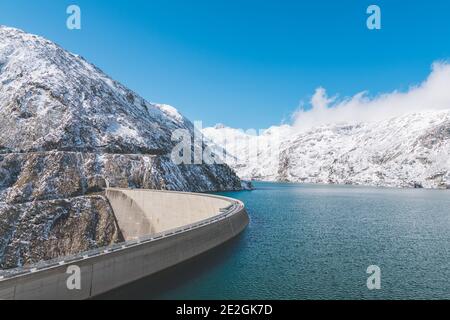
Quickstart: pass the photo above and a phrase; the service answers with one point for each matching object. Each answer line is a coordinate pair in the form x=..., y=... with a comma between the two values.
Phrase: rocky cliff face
x=43, y=230
x=409, y=151
x=68, y=131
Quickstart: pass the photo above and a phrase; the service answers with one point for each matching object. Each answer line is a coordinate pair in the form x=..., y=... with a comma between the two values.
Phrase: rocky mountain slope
x=68, y=131
x=412, y=150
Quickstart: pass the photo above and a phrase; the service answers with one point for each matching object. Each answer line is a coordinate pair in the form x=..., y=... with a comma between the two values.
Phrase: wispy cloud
x=432, y=94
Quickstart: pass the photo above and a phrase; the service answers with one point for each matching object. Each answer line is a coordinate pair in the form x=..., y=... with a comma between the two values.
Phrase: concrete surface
x=171, y=227
x=144, y=212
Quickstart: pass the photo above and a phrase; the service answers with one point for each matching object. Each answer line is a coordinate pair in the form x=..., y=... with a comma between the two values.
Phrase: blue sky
x=246, y=63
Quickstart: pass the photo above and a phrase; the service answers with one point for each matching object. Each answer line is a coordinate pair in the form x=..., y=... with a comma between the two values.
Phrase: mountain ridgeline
x=409, y=151
x=68, y=131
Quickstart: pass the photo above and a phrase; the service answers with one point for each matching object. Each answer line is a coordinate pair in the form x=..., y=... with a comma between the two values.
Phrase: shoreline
x=345, y=185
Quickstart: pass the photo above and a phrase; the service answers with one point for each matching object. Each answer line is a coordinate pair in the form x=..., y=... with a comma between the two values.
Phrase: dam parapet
x=161, y=229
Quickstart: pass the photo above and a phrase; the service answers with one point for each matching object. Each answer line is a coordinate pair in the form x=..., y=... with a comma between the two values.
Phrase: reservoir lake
x=316, y=242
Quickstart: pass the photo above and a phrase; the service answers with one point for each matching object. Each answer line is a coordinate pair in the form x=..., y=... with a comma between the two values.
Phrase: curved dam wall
x=141, y=213
x=210, y=221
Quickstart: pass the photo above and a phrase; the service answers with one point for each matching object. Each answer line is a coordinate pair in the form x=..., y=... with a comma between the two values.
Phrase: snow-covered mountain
x=412, y=150
x=67, y=131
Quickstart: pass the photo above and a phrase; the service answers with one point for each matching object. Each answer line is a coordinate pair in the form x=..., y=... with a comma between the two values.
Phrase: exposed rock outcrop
x=43, y=230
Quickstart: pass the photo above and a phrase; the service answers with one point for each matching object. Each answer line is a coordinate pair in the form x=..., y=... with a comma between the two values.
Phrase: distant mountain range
x=407, y=151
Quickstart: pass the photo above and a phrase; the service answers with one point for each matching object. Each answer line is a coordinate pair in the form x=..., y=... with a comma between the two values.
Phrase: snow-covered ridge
x=54, y=101
x=48, y=96
x=69, y=131
x=412, y=150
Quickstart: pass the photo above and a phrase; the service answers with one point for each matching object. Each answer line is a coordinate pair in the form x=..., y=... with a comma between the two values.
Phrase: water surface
x=316, y=242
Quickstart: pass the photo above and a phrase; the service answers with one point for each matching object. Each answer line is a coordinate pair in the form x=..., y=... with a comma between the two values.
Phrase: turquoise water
x=316, y=242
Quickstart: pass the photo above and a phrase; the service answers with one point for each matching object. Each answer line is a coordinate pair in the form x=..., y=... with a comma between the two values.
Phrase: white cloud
x=432, y=94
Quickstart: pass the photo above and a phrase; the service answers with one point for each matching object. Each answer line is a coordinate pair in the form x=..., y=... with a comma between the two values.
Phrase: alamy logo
x=74, y=19
x=235, y=149
x=374, y=280
x=74, y=280
x=374, y=20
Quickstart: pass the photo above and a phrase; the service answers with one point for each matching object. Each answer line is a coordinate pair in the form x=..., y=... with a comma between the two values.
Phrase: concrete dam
x=161, y=229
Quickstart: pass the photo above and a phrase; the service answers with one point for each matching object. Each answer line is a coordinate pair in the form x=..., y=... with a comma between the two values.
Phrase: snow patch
x=170, y=111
